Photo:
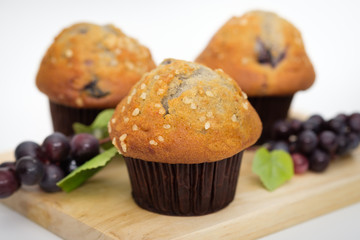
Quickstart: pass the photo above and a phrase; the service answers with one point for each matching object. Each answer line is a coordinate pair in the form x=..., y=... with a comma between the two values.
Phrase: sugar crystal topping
x=135, y=127
x=207, y=125
x=233, y=118
x=209, y=93
x=153, y=142
x=136, y=112
x=143, y=96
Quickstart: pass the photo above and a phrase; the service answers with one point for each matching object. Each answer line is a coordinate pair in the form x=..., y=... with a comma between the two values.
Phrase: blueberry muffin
x=265, y=55
x=89, y=68
x=182, y=130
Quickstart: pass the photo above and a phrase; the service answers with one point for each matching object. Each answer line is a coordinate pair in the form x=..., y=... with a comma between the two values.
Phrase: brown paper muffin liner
x=270, y=109
x=63, y=117
x=184, y=189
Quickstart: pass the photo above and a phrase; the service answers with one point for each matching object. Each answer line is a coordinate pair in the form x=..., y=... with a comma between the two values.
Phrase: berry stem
x=104, y=140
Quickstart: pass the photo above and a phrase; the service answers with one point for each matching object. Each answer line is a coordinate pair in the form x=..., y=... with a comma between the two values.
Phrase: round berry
x=295, y=126
x=84, y=146
x=352, y=141
x=8, y=165
x=314, y=123
x=354, y=122
x=293, y=146
x=30, y=170
x=343, y=146
x=56, y=147
x=281, y=130
x=280, y=145
x=307, y=141
x=341, y=117
x=301, y=163
x=319, y=161
x=9, y=182
x=52, y=175
x=328, y=141
x=69, y=165
x=337, y=125
x=27, y=148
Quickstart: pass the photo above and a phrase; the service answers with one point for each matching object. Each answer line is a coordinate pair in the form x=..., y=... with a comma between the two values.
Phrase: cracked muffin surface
x=263, y=52
x=184, y=112
x=92, y=66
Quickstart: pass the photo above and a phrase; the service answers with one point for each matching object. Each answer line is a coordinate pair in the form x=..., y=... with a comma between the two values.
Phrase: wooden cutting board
x=103, y=207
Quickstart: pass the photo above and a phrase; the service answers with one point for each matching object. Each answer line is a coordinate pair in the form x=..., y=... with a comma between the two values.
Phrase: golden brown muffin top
x=92, y=66
x=263, y=52
x=183, y=112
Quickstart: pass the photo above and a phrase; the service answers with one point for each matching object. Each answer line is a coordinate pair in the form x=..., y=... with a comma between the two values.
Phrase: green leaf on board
x=99, y=126
x=87, y=170
x=274, y=168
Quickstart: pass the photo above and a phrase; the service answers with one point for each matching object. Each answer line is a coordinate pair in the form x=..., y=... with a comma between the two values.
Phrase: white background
x=178, y=29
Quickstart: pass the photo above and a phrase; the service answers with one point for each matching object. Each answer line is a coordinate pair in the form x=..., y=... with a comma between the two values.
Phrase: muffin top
x=92, y=66
x=183, y=112
x=263, y=52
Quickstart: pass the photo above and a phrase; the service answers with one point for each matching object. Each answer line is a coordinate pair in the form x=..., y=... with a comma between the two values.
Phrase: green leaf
x=99, y=126
x=107, y=145
x=274, y=168
x=87, y=170
x=81, y=128
x=102, y=118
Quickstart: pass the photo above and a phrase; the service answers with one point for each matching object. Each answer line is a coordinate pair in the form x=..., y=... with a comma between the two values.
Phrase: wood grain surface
x=103, y=208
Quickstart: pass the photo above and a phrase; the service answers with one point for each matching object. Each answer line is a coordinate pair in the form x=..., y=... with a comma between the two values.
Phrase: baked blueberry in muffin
x=89, y=68
x=265, y=55
x=182, y=130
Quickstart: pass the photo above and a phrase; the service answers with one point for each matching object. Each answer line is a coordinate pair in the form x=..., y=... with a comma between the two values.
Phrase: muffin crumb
x=244, y=95
x=243, y=21
x=160, y=138
x=136, y=112
x=135, y=127
x=245, y=105
x=123, y=137
x=109, y=127
x=153, y=142
x=209, y=93
x=68, y=53
x=114, y=142
x=167, y=126
x=193, y=106
x=162, y=111
x=143, y=96
x=234, y=118
x=79, y=102
x=133, y=92
x=207, y=125
x=160, y=91
x=126, y=119
x=123, y=146
x=187, y=100
x=129, y=99
x=117, y=51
